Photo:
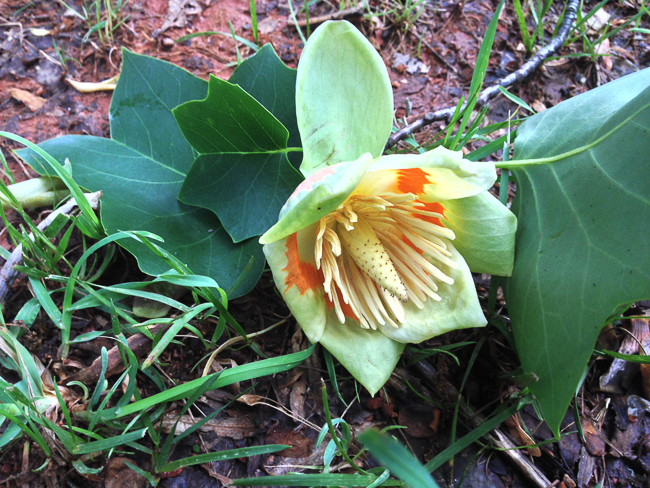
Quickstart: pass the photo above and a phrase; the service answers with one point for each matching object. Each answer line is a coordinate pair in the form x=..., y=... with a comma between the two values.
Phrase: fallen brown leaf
x=119, y=475
x=417, y=420
x=32, y=101
x=521, y=436
x=236, y=427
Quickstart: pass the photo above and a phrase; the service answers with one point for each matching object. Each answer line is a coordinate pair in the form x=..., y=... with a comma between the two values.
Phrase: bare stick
x=138, y=344
x=8, y=274
x=489, y=93
x=500, y=440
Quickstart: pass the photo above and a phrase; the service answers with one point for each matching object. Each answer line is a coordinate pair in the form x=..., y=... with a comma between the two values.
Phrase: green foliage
x=242, y=173
x=141, y=171
x=148, y=162
x=582, y=189
x=538, y=10
x=464, y=110
x=102, y=17
x=397, y=459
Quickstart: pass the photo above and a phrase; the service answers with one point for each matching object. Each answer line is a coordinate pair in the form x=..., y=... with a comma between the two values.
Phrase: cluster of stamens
x=376, y=254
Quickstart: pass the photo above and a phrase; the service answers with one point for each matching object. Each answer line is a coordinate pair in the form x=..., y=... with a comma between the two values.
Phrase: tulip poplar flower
x=373, y=252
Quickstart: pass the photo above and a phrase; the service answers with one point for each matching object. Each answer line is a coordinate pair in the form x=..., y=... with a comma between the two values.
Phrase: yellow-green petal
x=344, y=99
x=485, y=233
x=368, y=355
x=317, y=196
x=458, y=308
x=292, y=262
x=434, y=176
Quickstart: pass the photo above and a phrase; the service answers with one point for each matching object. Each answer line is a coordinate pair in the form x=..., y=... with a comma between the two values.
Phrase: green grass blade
x=478, y=77
x=223, y=455
x=228, y=377
x=394, y=456
x=347, y=480
x=110, y=442
x=77, y=193
x=521, y=20
x=329, y=361
x=490, y=148
x=34, y=435
x=515, y=99
x=472, y=437
x=254, y=22
x=175, y=328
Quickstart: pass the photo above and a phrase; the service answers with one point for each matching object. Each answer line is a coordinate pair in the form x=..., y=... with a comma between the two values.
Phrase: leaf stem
x=578, y=150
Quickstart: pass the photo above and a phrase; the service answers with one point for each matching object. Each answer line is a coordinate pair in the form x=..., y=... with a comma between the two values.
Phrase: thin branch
x=8, y=274
x=489, y=93
x=500, y=440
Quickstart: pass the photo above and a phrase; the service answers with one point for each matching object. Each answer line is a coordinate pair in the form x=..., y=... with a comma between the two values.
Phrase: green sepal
x=317, y=196
x=485, y=233
x=344, y=98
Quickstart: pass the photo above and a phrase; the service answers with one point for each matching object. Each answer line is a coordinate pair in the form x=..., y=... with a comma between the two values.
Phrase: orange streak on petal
x=431, y=207
x=412, y=180
x=347, y=310
x=302, y=275
x=408, y=242
x=308, y=184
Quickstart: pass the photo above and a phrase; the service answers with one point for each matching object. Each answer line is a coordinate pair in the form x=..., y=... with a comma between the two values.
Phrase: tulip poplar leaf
x=583, y=206
x=269, y=81
x=242, y=174
x=141, y=170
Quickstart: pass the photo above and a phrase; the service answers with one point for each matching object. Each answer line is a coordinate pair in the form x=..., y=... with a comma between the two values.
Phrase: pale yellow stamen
x=367, y=250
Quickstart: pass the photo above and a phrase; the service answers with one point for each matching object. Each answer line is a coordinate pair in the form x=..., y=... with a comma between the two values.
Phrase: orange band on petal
x=302, y=275
x=431, y=207
x=347, y=310
x=412, y=180
x=407, y=241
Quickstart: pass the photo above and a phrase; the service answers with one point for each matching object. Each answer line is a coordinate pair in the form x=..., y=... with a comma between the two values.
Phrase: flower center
x=376, y=253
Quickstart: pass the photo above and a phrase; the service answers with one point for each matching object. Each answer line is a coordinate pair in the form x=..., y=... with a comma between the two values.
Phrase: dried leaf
x=32, y=101
x=521, y=436
x=235, y=427
x=417, y=419
x=39, y=32
x=119, y=475
x=88, y=87
x=297, y=398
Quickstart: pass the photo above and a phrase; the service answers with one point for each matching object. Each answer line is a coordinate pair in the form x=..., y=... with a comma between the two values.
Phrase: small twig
x=235, y=340
x=8, y=274
x=498, y=438
x=339, y=14
x=489, y=93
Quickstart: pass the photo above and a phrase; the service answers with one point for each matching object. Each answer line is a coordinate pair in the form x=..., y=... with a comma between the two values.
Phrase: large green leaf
x=266, y=78
x=141, y=171
x=242, y=174
x=583, y=206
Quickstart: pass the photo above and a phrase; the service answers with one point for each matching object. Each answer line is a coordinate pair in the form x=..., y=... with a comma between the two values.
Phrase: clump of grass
x=102, y=17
